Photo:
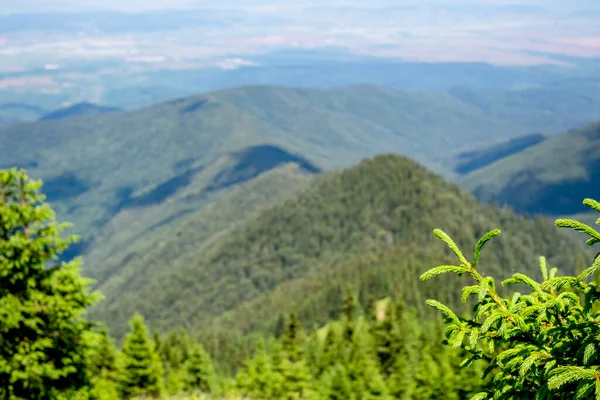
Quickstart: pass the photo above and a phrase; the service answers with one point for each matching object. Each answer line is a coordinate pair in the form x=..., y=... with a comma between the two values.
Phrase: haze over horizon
x=497, y=31
x=132, y=53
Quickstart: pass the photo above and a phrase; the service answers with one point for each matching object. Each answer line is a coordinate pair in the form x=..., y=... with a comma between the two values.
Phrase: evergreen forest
x=368, y=327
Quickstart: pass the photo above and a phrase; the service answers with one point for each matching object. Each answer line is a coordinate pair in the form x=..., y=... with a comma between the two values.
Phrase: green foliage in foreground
x=43, y=339
x=541, y=345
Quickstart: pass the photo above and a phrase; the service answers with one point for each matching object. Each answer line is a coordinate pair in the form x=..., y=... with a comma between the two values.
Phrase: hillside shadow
x=254, y=161
x=525, y=193
x=166, y=221
x=473, y=160
x=195, y=106
x=158, y=194
x=78, y=110
x=76, y=249
x=65, y=186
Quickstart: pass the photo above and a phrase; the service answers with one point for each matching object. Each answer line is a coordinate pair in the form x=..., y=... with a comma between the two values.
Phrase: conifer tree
x=400, y=379
x=371, y=309
x=541, y=345
x=200, y=372
x=297, y=379
x=313, y=352
x=448, y=379
x=279, y=326
x=102, y=366
x=103, y=355
x=332, y=350
x=386, y=337
x=427, y=372
x=372, y=383
x=174, y=382
x=169, y=354
x=142, y=372
x=157, y=341
x=391, y=337
x=258, y=378
x=42, y=334
x=184, y=344
x=103, y=389
x=348, y=311
x=335, y=384
x=363, y=369
x=292, y=338
x=468, y=381
x=173, y=351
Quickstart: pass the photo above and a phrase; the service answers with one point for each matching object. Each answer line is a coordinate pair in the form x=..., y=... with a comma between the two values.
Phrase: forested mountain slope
x=135, y=261
x=549, y=178
x=103, y=169
x=302, y=251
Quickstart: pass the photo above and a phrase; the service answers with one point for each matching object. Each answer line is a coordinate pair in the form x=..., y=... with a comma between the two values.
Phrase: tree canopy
x=42, y=333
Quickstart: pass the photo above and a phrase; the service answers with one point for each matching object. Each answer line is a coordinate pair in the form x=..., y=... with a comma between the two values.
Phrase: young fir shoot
x=541, y=345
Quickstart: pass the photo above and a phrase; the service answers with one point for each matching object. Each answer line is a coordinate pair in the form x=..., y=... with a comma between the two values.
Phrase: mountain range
x=229, y=207
x=15, y=112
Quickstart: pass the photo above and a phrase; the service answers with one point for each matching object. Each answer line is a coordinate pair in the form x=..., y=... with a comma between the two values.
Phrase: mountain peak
x=376, y=205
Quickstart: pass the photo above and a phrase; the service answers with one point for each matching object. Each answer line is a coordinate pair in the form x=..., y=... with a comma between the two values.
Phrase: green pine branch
x=538, y=345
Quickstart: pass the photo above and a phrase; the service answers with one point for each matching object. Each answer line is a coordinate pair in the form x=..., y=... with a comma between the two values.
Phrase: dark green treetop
x=200, y=372
x=293, y=338
x=142, y=369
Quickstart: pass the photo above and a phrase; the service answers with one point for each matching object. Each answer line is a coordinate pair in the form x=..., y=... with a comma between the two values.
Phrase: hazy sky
x=503, y=31
x=80, y=54
x=139, y=5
